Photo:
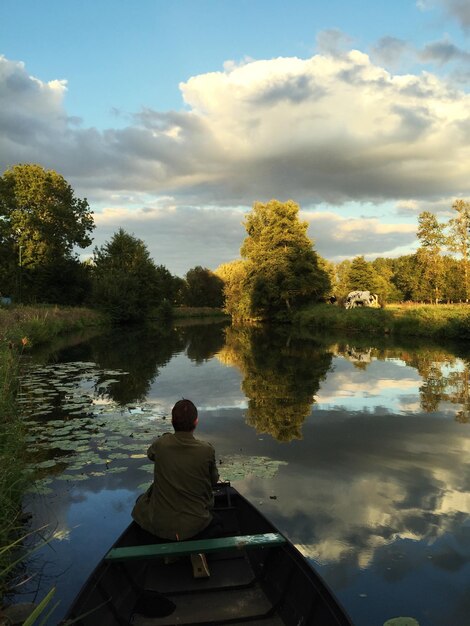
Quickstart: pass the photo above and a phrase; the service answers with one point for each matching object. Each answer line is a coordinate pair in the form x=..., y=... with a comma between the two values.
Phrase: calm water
x=358, y=452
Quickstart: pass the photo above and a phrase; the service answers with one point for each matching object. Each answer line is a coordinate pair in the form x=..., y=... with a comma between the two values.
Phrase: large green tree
x=341, y=283
x=203, y=288
x=431, y=236
x=282, y=269
x=233, y=275
x=362, y=275
x=458, y=239
x=408, y=277
x=41, y=222
x=125, y=278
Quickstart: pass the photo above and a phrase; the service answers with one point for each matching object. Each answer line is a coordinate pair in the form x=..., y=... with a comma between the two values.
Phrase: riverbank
x=183, y=312
x=40, y=324
x=423, y=320
x=20, y=328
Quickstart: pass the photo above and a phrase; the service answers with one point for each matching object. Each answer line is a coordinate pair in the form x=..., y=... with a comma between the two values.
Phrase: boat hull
x=265, y=585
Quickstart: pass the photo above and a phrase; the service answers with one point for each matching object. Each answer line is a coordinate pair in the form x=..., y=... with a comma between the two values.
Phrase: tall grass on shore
x=42, y=323
x=21, y=327
x=425, y=320
x=12, y=476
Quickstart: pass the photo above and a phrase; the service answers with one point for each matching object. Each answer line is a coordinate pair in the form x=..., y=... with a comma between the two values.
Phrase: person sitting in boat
x=178, y=505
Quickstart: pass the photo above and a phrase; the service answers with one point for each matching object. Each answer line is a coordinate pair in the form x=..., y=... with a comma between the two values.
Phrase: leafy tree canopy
x=125, y=278
x=233, y=275
x=282, y=269
x=40, y=213
x=203, y=288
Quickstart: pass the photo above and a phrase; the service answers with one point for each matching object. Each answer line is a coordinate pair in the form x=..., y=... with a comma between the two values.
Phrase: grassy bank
x=20, y=328
x=434, y=321
x=41, y=324
x=12, y=478
x=201, y=311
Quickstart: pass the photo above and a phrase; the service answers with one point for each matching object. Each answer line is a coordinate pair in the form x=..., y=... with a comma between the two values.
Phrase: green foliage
x=168, y=287
x=362, y=276
x=237, y=301
x=458, y=239
x=203, y=288
x=41, y=221
x=341, y=286
x=431, y=236
x=124, y=279
x=282, y=269
x=164, y=311
x=408, y=276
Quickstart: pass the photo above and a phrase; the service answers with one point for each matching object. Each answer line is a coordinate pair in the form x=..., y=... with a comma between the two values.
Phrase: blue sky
x=172, y=118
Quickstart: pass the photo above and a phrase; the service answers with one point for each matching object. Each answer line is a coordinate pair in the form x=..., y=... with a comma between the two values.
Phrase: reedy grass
x=425, y=320
x=12, y=477
x=21, y=327
x=42, y=323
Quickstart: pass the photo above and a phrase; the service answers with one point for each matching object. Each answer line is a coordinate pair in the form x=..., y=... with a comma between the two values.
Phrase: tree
x=408, y=277
x=167, y=287
x=459, y=238
x=454, y=286
x=203, y=288
x=233, y=275
x=384, y=285
x=342, y=270
x=431, y=236
x=124, y=278
x=41, y=220
x=282, y=269
x=362, y=275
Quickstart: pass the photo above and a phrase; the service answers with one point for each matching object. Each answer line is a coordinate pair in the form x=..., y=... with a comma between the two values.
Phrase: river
x=357, y=449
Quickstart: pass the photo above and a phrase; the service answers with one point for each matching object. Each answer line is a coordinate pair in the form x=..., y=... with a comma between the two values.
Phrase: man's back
x=179, y=505
x=184, y=475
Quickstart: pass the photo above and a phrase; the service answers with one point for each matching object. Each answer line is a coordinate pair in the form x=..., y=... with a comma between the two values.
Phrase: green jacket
x=178, y=504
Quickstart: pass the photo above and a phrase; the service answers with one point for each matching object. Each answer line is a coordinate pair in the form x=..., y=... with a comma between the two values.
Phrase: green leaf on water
x=237, y=467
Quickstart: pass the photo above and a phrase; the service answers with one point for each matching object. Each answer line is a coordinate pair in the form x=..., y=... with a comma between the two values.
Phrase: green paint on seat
x=181, y=548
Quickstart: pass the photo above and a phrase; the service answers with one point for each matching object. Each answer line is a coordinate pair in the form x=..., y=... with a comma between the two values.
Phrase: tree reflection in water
x=281, y=375
x=142, y=352
x=445, y=377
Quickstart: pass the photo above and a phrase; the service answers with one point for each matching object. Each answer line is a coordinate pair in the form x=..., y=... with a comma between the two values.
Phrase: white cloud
x=178, y=237
x=340, y=237
x=328, y=129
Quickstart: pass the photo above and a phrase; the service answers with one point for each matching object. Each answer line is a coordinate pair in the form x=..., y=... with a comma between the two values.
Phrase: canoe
x=256, y=577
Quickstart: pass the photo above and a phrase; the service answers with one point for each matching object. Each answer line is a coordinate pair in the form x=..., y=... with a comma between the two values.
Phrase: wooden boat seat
x=182, y=548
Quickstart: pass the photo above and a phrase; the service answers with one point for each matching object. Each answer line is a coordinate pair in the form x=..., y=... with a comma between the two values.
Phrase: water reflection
x=372, y=481
x=281, y=376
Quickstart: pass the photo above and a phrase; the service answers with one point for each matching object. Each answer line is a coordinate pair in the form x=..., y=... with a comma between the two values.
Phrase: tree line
x=437, y=272
x=42, y=224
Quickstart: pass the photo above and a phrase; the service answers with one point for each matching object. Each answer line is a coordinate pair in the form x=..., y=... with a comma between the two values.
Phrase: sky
x=173, y=117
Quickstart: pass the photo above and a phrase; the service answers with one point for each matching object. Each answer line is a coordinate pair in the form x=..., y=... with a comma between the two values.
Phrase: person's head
x=184, y=416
